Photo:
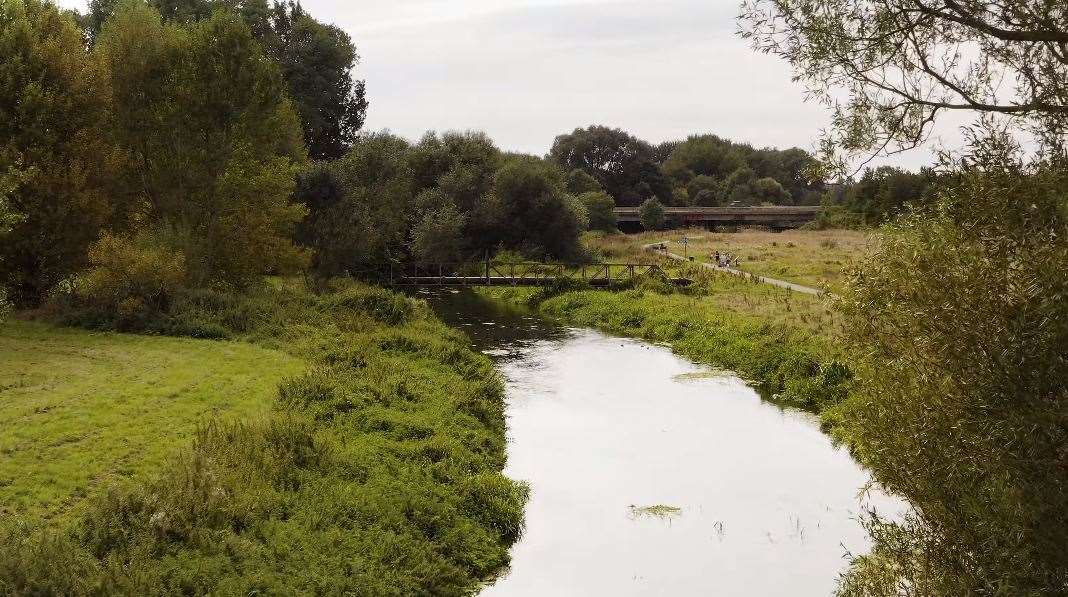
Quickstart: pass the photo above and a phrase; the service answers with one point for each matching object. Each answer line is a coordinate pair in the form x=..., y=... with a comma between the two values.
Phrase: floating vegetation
x=658, y=511
x=706, y=374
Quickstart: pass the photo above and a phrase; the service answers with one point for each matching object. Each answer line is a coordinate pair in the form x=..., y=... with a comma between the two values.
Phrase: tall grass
x=377, y=473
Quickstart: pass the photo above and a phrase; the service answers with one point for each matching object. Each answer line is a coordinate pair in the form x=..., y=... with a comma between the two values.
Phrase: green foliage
x=887, y=191
x=580, y=183
x=459, y=169
x=52, y=157
x=131, y=279
x=378, y=472
x=705, y=162
x=212, y=141
x=960, y=319
x=358, y=206
x=438, y=237
x=317, y=61
x=705, y=190
x=652, y=214
x=623, y=165
x=768, y=190
x=537, y=214
x=601, y=211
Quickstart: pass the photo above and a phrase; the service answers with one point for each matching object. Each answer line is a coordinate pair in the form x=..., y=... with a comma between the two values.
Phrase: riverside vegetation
x=377, y=471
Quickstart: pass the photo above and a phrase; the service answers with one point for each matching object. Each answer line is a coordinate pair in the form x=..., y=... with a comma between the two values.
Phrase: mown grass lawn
x=81, y=410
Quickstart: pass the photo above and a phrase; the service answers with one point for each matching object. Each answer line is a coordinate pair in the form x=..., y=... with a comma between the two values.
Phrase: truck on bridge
x=776, y=218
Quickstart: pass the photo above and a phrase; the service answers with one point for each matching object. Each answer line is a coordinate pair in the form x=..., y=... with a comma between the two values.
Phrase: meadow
x=816, y=258
x=81, y=411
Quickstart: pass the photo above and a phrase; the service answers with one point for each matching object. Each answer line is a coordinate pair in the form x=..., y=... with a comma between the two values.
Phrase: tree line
x=173, y=132
x=702, y=170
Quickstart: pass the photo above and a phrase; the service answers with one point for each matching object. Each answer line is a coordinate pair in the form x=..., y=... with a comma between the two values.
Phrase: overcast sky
x=525, y=71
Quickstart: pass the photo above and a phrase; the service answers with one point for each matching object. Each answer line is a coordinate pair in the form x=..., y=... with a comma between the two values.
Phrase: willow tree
x=889, y=68
x=959, y=318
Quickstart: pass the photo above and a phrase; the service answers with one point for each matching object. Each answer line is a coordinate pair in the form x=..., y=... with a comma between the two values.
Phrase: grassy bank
x=81, y=411
x=788, y=364
x=377, y=471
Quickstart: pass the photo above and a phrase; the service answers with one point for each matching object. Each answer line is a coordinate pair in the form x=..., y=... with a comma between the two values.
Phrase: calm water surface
x=604, y=428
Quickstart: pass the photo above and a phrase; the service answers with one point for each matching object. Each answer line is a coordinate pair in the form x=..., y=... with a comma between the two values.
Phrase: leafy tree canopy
x=625, y=166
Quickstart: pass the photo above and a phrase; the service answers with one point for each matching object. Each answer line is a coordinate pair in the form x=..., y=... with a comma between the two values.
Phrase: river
x=651, y=475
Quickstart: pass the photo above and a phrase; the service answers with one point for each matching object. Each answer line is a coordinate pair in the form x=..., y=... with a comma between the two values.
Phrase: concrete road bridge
x=777, y=218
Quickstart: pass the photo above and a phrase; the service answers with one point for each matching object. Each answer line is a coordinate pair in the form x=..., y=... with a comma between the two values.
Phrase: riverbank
x=789, y=365
x=375, y=471
x=651, y=474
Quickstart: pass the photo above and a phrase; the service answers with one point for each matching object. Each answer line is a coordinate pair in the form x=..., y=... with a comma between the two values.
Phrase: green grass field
x=82, y=410
x=817, y=258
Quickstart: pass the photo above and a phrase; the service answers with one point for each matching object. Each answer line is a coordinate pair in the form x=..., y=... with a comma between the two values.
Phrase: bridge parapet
x=791, y=216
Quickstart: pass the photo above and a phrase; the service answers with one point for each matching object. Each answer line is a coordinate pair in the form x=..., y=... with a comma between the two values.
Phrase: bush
x=652, y=214
x=960, y=320
x=601, y=209
x=132, y=280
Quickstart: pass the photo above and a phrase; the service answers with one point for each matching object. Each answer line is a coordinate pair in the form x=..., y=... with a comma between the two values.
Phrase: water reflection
x=653, y=476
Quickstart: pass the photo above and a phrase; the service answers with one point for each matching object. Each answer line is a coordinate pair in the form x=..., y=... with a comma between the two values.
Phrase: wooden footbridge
x=601, y=275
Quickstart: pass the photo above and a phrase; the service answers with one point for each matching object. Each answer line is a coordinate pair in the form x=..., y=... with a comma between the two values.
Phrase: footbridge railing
x=529, y=273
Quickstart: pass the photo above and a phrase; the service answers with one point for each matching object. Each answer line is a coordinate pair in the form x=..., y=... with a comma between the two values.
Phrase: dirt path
x=737, y=272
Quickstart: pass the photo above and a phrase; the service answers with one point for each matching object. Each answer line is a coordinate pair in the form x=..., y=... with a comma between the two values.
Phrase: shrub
x=132, y=280
x=652, y=214
x=601, y=209
x=959, y=319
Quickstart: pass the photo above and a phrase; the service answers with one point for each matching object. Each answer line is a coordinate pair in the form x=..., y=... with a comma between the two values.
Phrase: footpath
x=655, y=248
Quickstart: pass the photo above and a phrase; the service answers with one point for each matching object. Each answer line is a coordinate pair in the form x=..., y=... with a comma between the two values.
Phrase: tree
x=768, y=190
x=537, y=215
x=601, y=209
x=459, y=169
x=53, y=156
x=902, y=63
x=886, y=191
x=703, y=155
x=619, y=161
x=359, y=207
x=211, y=138
x=579, y=182
x=717, y=158
x=705, y=190
x=438, y=237
x=961, y=319
x=317, y=61
x=652, y=215
x=736, y=188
